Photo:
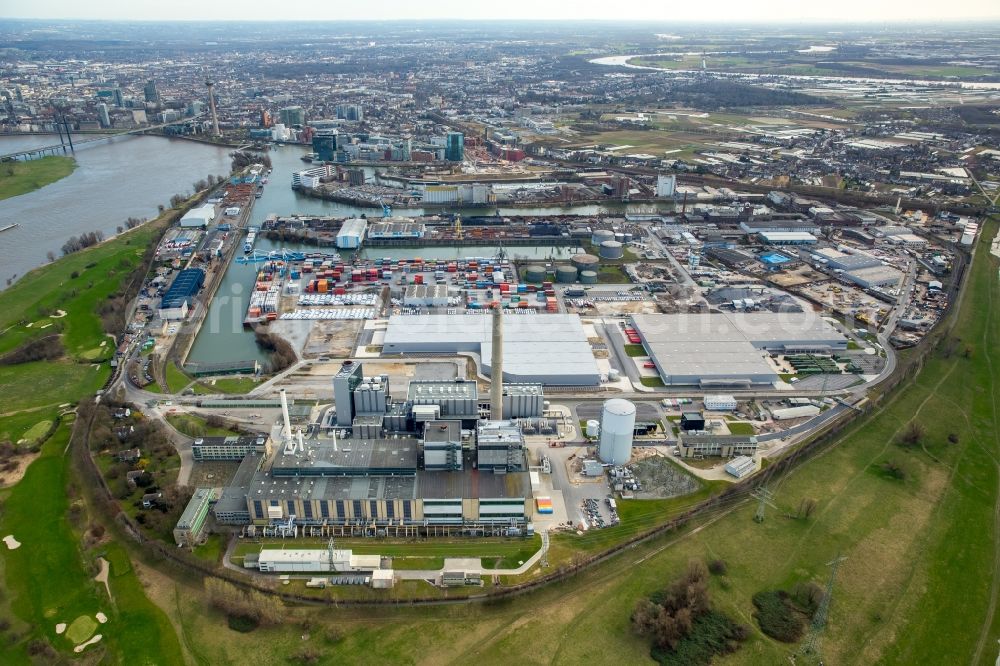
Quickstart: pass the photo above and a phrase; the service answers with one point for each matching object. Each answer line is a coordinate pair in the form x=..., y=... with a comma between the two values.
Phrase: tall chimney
x=496, y=363
x=286, y=430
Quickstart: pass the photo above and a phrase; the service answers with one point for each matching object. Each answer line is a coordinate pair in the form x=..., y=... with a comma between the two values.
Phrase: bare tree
x=912, y=434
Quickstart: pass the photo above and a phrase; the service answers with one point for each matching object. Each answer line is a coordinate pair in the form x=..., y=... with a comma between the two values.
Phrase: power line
x=809, y=645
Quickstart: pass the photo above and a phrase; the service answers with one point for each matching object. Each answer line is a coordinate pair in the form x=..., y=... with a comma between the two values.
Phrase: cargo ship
x=250, y=241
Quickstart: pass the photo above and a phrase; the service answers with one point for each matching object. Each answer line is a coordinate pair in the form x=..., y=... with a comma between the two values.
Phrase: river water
x=623, y=61
x=114, y=180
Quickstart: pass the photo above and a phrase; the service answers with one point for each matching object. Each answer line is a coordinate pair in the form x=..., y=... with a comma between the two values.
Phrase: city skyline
x=727, y=11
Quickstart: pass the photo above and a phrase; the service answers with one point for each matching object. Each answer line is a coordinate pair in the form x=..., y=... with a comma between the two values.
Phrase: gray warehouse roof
x=548, y=349
x=691, y=349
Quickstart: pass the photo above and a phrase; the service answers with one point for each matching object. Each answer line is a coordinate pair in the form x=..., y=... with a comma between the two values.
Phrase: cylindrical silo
x=588, y=277
x=566, y=274
x=585, y=262
x=617, y=426
x=612, y=250
x=593, y=428
x=534, y=274
x=598, y=236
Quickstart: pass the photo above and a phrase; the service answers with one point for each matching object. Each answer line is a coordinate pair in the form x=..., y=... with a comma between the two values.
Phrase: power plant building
x=550, y=350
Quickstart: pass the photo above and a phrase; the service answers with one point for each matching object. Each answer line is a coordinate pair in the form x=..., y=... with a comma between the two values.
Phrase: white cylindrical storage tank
x=617, y=426
x=614, y=374
x=593, y=428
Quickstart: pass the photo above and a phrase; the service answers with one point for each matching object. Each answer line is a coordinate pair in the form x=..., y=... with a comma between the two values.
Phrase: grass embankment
x=918, y=584
x=48, y=582
x=176, y=379
x=22, y=177
x=33, y=308
x=419, y=553
x=193, y=425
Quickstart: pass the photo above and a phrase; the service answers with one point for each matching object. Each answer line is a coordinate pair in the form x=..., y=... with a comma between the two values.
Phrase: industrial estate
x=427, y=343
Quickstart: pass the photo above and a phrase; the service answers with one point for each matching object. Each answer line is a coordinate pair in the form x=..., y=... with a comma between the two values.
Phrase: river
x=114, y=180
x=623, y=61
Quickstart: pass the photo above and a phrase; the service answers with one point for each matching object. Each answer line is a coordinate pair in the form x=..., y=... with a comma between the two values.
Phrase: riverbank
x=21, y=177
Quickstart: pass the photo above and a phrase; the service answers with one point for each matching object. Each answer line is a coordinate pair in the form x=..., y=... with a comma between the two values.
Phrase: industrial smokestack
x=496, y=362
x=286, y=430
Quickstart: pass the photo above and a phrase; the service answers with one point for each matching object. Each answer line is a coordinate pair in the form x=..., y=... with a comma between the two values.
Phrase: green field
x=37, y=299
x=49, y=580
x=740, y=428
x=22, y=177
x=652, y=382
x=231, y=384
x=635, y=350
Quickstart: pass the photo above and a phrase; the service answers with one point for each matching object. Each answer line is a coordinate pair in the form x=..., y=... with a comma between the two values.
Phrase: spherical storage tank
x=585, y=262
x=566, y=274
x=612, y=250
x=600, y=235
x=534, y=274
x=588, y=277
x=617, y=425
x=593, y=428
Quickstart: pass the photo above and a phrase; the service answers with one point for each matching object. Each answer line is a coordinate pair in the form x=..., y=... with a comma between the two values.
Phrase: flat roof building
x=551, y=349
x=787, y=237
x=724, y=446
x=190, y=529
x=875, y=276
x=730, y=348
x=229, y=448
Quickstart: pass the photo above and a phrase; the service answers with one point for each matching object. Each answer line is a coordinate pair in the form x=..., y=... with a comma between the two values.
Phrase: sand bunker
x=12, y=543
x=101, y=617
x=102, y=577
x=83, y=646
x=58, y=314
x=61, y=627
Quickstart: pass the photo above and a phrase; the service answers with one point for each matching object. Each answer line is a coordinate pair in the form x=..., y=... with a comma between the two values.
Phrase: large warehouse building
x=551, y=349
x=730, y=349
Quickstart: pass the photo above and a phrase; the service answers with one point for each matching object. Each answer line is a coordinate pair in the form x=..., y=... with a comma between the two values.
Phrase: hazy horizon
x=722, y=12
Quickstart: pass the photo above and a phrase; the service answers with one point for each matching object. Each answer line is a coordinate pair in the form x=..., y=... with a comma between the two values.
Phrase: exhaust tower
x=496, y=365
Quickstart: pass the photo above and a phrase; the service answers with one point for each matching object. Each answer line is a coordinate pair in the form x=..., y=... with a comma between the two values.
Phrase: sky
x=729, y=11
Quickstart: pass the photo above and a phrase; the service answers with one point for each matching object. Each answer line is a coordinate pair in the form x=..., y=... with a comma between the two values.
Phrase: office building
x=151, y=93
x=455, y=147
x=102, y=115
x=324, y=145
x=350, y=112
x=292, y=116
